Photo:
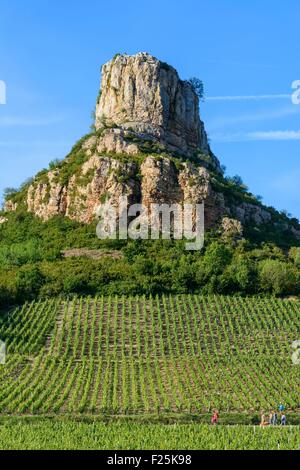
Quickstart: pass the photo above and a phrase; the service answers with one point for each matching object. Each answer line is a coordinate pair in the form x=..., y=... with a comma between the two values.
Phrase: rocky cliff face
x=100, y=179
x=142, y=94
x=149, y=144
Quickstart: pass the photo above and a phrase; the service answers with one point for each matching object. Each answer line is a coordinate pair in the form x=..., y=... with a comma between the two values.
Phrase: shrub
x=29, y=280
x=9, y=192
x=197, y=86
x=216, y=258
x=4, y=296
x=240, y=276
x=294, y=255
x=278, y=277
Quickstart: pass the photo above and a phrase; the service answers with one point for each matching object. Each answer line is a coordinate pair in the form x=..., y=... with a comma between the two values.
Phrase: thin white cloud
x=275, y=135
x=247, y=97
x=222, y=121
x=256, y=136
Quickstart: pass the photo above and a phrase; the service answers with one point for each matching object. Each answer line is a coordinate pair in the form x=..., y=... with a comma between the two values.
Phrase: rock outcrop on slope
x=142, y=94
x=150, y=145
x=154, y=180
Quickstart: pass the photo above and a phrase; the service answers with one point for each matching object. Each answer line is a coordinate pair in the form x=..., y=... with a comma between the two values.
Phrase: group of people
x=272, y=419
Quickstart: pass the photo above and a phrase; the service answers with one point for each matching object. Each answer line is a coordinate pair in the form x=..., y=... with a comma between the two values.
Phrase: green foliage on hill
x=32, y=265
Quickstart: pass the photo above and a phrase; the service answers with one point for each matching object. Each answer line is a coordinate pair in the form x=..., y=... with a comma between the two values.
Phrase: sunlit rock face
x=144, y=95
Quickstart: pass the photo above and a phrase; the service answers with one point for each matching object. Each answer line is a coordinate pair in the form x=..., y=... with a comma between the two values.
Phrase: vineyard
x=53, y=434
x=122, y=355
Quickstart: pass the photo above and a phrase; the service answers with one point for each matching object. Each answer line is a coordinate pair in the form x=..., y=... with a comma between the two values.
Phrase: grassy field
x=43, y=433
x=182, y=354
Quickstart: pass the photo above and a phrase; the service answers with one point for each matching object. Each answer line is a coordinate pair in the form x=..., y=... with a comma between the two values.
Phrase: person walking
x=274, y=418
x=283, y=420
x=271, y=418
x=215, y=418
x=263, y=421
x=281, y=408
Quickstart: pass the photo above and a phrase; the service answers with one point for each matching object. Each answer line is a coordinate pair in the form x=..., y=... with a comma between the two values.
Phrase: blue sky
x=50, y=57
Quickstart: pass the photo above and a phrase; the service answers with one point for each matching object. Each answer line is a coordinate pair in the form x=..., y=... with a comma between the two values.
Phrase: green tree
x=279, y=278
x=29, y=280
x=198, y=87
x=4, y=296
x=216, y=258
x=9, y=192
x=240, y=276
x=294, y=255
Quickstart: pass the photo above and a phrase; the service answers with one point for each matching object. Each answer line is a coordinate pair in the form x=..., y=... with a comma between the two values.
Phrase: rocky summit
x=145, y=96
x=148, y=144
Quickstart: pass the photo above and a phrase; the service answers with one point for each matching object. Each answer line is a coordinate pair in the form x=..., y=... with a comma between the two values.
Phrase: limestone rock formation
x=10, y=206
x=142, y=94
x=156, y=180
x=231, y=228
x=246, y=212
x=150, y=145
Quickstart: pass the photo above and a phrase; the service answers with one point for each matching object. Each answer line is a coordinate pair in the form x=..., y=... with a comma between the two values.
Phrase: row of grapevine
x=140, y=355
